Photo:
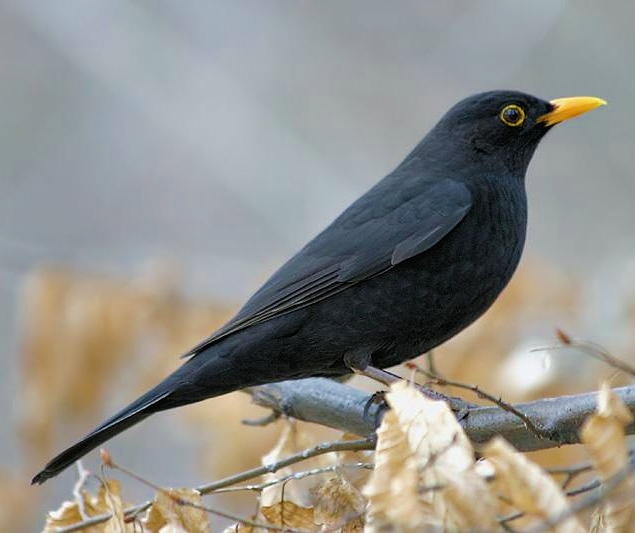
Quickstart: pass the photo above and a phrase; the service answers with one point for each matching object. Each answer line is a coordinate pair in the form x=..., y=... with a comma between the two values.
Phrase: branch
x=327, y=402
x=330, y=403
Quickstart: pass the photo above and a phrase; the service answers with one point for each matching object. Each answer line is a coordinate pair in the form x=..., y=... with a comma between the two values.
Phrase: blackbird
x=408, y=265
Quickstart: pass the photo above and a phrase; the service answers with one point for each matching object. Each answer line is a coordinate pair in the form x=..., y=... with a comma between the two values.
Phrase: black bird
x=408, y=265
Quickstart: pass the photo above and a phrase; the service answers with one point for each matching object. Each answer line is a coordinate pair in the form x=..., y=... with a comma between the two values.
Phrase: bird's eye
x=512, y=115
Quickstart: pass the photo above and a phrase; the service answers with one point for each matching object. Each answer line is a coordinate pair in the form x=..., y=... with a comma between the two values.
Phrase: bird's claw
x=377, y=399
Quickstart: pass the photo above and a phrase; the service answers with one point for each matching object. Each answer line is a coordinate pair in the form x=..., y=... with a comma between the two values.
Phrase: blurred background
x=159, y=159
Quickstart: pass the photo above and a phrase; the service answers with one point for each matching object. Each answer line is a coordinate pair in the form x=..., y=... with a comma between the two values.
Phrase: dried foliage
x=424, y=469
x=425, y=478
x=176, y=510
x=172, y=511
x=527, y=487
x=425, y=474
x=338, y=502
x=107, y=500
x=603, y=435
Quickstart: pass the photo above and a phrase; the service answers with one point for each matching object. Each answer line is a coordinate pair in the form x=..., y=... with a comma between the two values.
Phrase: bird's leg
x=359, y=361
x=383, y=376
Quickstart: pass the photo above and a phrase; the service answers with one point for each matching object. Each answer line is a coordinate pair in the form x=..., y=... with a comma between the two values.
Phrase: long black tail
x=152, y=401
x=205, y=375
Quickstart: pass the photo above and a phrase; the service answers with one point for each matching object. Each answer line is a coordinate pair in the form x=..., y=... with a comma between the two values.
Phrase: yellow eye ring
x=512, y=115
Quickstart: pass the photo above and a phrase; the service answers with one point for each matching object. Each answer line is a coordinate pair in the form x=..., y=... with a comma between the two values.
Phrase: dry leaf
x=393, y=487
x=114, y=505
x=603, y=434
x=530, y=489
x=424, y=469
x=338, y=503
x=168, y=513
x=598, y=522
x=289, y=514
x=107, y=500
x=68, y=514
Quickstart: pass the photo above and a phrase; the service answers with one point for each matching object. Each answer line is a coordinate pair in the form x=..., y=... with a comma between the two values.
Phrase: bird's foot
x=375, y=408
x=377, y=404
x=359, y=362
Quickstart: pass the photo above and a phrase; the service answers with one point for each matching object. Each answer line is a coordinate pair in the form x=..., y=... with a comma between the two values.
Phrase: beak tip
x=566, y=108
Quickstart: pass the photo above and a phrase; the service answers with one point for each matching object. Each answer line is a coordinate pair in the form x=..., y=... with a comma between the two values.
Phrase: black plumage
x=408, y=265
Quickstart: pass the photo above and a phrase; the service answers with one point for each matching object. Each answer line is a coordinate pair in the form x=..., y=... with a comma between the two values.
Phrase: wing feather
x=401, y=217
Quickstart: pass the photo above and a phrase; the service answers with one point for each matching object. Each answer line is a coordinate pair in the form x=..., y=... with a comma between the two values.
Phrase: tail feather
x=197, y=379
x=151, y=402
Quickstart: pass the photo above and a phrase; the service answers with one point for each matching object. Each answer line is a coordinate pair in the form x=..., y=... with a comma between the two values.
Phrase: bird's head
x=502, y=128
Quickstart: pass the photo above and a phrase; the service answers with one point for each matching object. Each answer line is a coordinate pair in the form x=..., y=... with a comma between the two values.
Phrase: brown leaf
x=424, y=470
x=338, y=503
x=604, y=436
x=107, y=500
x=530, y=489
x=169, y=513
x=289, y=514
x=393, y=487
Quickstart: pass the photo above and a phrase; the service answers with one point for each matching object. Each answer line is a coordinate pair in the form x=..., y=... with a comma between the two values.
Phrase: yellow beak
x=566, y=108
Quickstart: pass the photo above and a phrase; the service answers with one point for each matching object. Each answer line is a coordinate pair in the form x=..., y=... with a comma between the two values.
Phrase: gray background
x=225, y=134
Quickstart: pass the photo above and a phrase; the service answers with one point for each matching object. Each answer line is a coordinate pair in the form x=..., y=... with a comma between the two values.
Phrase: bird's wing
x=402, y=216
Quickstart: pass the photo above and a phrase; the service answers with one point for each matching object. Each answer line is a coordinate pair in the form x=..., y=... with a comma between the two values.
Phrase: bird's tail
x=156, y=399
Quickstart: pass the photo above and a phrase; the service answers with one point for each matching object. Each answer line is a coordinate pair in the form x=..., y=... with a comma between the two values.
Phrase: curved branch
x=327, y=402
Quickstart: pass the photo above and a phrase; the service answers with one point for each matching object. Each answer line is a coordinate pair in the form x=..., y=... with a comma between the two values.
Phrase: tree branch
x=327, y=402
x=330, y=403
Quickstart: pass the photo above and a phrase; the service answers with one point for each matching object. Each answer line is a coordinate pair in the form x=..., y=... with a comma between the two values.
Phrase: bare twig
x=593, y=350
x=587, y=487
x=570, y=473
x=82, y=478
x=320, y=449
x=589, y=501
x=510, y=517
x=263, y=421
x=258, y=487
x=439, y=380
x=432, y=367
x=600, y=353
